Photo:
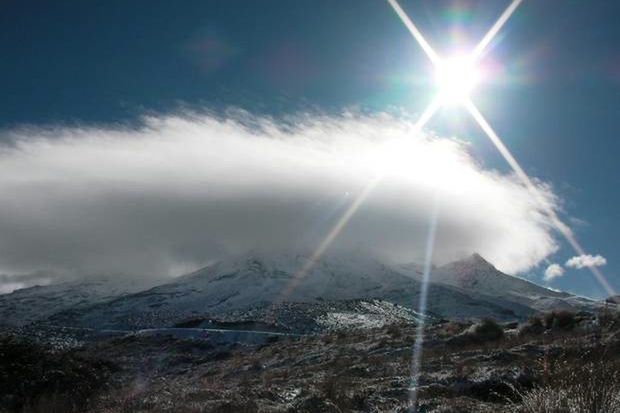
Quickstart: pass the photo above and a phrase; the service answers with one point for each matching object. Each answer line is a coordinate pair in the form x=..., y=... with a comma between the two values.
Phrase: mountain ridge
x=468, y=288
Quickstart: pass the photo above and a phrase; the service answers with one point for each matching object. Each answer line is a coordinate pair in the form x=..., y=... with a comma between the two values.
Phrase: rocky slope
x=515, y=370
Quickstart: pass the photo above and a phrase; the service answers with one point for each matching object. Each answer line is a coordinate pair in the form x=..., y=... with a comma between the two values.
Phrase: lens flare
x=416, y=356
x=457, y=77
x=415, y=32
x=484, y=43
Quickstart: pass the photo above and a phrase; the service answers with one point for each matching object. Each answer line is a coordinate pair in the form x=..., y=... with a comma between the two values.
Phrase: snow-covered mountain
x=476, y=275
x=39, y=302
x=260, y=281
x=259, y=285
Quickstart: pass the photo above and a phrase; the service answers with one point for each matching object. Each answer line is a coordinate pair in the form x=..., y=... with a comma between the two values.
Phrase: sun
x=456, y=76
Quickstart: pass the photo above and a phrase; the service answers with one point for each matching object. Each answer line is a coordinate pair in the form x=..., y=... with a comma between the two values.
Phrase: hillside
x=262, y=281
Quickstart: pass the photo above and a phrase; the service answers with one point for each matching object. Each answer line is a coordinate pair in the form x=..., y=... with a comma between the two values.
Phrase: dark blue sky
x=555, y=98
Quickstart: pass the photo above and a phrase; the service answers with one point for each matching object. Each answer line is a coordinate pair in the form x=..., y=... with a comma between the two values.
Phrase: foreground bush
x=34, y=379
x=609, y=318
x=478, y=333
x=560, y=320
x=534, y=326
x=486, y=330
x=589, y=387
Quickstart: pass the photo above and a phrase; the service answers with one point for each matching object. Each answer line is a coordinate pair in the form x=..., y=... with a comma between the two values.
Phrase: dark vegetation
x=560, y=320
x=589, y=382
x=555, y=362
x=33, y=378
x=485, y=331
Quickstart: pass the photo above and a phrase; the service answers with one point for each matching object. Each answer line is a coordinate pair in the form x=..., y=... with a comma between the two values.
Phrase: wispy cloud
x=587, y=260
x=553, y=271
x=182, y=190
x=9, y=283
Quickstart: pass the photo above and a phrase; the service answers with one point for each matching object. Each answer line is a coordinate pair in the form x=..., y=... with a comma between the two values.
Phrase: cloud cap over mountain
x=185, y=189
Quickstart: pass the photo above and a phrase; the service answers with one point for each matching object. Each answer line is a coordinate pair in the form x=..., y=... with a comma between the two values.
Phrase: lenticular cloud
x=182, y=190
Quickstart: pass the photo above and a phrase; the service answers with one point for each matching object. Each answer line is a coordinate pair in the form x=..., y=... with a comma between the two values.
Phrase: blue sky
x=554, y=97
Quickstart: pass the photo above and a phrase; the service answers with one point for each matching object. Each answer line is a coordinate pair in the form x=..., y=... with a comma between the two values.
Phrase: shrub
x=560, y=320
x=576, y=386
x=543, y=400
x=608, y=318
x=394, y=331
x=343, y=392
x=451, y=328
x=487, y=330
x=35, y=379
x=534, y=326
x=481, y=332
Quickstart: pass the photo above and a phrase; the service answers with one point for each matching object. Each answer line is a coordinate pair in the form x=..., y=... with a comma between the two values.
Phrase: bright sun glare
x=457, y=76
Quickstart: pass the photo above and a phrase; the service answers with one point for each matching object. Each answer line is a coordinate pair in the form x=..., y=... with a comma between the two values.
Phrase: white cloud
x=553, y=271
x=587, y=260
x=182, y=190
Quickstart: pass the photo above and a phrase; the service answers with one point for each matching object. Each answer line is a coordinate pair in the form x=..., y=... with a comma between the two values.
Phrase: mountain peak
x=474, y=262
x=479, y=260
